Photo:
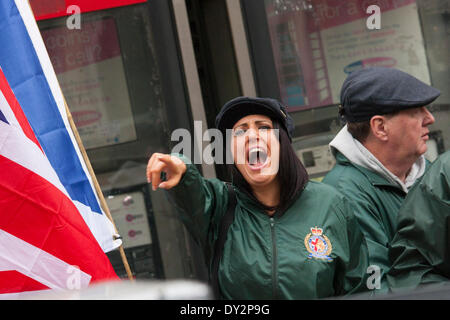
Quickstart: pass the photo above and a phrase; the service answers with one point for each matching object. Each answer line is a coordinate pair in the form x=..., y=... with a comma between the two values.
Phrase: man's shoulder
x=436, y=180
x=346, y=174
x=440, y=166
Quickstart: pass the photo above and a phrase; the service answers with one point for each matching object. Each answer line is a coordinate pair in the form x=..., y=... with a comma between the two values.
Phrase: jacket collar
x=374, y=178
x=244, y=200
x=357, y=154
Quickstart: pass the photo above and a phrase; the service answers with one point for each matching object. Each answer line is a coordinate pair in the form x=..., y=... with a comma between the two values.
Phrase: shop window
x=123, y=83
x=313, y=45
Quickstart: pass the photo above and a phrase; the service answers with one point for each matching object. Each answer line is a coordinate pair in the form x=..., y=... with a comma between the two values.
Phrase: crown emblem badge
x=318, y=244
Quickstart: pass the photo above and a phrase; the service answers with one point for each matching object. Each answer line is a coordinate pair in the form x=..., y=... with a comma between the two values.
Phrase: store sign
x=48, y=9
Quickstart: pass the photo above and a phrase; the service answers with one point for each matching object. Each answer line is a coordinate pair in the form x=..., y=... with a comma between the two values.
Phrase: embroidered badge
x=318, y=244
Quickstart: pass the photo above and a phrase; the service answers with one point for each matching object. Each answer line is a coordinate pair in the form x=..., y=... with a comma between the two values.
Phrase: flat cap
x=240, y=107
x=377, y=90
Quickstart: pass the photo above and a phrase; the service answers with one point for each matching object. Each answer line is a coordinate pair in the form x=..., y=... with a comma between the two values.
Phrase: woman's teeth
x=257, y=156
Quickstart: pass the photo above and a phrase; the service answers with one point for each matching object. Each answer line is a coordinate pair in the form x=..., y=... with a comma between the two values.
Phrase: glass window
x=123, y=84
x=316, y=44
x=307, y=48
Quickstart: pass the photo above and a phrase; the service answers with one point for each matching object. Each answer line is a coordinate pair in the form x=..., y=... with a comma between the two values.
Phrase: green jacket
x=376, y=201
x=273, y=257
x=420, y=251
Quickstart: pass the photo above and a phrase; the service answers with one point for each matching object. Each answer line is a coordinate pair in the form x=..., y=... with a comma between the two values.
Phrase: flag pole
x=97, y=187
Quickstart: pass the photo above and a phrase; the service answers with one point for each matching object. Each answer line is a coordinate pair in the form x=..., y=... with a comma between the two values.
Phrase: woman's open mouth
x=257, y=158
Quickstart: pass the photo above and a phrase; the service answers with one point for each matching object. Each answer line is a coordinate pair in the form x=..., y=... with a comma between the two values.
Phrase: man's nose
x=429, y=118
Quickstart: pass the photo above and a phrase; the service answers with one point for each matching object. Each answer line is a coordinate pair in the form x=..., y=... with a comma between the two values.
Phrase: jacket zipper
x=274, y=259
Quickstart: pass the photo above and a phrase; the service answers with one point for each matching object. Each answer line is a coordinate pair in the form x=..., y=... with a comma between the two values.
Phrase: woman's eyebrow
x=241, y=125
x=258, y=122
x=263, y=122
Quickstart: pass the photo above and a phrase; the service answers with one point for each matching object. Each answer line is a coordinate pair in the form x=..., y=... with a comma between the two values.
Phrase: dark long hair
x=292, y=174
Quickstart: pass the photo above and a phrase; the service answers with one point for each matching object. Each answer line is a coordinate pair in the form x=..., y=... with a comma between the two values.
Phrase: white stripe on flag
x=16, y=146
x=18, y=255
x=7, y=111
x=98, y=223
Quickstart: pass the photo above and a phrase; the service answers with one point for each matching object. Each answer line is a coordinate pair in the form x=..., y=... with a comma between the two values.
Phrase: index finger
x=151, y=162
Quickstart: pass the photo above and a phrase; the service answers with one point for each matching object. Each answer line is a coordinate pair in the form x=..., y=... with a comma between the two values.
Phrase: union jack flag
x=52, y=228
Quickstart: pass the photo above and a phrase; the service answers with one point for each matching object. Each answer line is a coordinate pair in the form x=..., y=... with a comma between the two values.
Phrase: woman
x=290, y=238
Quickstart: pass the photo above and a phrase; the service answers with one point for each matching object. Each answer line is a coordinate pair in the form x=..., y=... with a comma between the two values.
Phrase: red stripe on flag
x=16, y=109
x=34, y=210
x=13, y=281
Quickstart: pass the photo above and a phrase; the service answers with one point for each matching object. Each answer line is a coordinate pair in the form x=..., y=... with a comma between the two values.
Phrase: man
x=420, y=250
x=379, y=153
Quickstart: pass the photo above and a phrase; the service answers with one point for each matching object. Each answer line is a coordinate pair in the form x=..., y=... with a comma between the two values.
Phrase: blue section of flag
x=24, y=73
x=3, y=118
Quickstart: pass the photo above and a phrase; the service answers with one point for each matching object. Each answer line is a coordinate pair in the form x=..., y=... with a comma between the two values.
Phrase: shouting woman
x=288, y=237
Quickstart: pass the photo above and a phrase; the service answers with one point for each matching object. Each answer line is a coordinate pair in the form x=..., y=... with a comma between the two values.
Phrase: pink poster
x=88, y=63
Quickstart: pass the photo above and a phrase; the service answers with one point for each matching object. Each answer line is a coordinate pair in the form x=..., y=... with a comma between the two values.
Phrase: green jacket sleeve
x=200, y=203
x=353, y=266
x=420, y=252
x=373, y=229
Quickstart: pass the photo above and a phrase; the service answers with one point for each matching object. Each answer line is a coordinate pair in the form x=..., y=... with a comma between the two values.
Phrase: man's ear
x=379, y=128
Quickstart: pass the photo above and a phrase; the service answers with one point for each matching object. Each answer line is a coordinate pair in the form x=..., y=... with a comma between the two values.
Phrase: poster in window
x=89, y=67
x=129, y=214
x=350, y=45
x=316, y=46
